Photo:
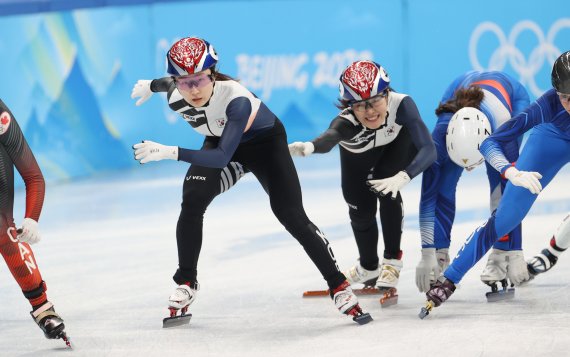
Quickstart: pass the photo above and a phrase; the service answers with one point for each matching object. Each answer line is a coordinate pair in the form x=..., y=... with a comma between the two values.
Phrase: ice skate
x=358, y=275
x=548, y=257
x=437, y=295
x=496, y=268
x=50, y=322
x=179, y=301
x=541, y=263
x=496, y=272
x=365, y=291
x=389, y=297
x=497, y=294
x=389, y=273
x=517, y=270
x=347, y=303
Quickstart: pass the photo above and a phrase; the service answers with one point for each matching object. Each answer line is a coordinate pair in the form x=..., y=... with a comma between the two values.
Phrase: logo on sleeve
x=5, y=120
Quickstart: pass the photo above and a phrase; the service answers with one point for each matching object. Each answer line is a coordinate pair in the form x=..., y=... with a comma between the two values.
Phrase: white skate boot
x=347, y=303
x=548, y=257
x=358, y=275
x=389, y=273
x=182, y=297
x=180, y=300
x=517, y=270
x=496, y=272
x=496, y=268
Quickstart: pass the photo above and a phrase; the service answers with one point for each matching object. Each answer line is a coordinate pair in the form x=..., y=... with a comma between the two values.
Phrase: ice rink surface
x=108, y=253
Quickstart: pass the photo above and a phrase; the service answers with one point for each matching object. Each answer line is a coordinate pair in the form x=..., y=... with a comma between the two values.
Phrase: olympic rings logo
x=544, y=53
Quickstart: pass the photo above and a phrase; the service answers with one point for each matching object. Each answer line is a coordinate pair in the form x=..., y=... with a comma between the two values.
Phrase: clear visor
x=193, y=81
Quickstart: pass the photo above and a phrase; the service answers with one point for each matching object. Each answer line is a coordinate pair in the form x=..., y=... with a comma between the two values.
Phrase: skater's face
x=565, y=100
x=372, y=112
x=196, y=88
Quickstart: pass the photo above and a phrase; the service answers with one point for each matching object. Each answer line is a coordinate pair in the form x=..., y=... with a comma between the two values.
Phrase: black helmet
x=561, y=73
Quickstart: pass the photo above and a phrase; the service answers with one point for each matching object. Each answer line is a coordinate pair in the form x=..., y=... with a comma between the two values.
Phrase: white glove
x=428, y=270
x=526, y=179
x=29, y=232
x=391, y=184
x=151, y=151
x=442, y=255
x=141, y=89
x=301, y=149
x=517, y=270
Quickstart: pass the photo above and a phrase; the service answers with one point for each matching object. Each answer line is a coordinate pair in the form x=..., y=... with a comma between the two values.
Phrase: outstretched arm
x=340, y=129
x=238, y=113
x=144, y=88
x=491, y=147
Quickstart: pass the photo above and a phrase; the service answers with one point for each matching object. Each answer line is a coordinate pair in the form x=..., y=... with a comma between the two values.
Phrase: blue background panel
x=70, y=73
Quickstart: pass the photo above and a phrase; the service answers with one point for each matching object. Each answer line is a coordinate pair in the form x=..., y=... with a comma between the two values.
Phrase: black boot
x=49, y=321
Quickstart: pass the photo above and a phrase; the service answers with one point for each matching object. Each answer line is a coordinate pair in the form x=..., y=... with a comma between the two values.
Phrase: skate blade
x=425, y=310
x=362, y=319
x=389, y=301
x=390, y=297
x=67, y=341
x=316, y=293
x=370, y=290
x=176, y=321
x=500, y=295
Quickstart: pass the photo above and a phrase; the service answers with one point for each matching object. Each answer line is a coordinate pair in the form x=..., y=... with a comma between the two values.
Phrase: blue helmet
x=190, y=55
x=362, y=80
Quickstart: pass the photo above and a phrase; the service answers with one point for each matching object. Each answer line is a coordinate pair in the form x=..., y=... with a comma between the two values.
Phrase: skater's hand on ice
x=427, y=270
x=150, y=151
x=141, y=89
x=526, y=179
x=301, y=149
x=391, y=184
x=29, y=232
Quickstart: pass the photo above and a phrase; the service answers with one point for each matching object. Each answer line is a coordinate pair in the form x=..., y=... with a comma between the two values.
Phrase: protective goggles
x=373, y=102
x=193, y=81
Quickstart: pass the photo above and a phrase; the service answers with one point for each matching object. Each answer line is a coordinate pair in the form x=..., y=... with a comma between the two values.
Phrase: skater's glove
x=428, y=270
x=526, y=179
x=517, y=270
x=141, y=89
x=301, y=149
x=442, y=256
x=391, y=184
x=29, y=232
x=150, y=151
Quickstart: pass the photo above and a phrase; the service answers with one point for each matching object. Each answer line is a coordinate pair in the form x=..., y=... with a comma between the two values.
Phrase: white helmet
x=466, y=131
